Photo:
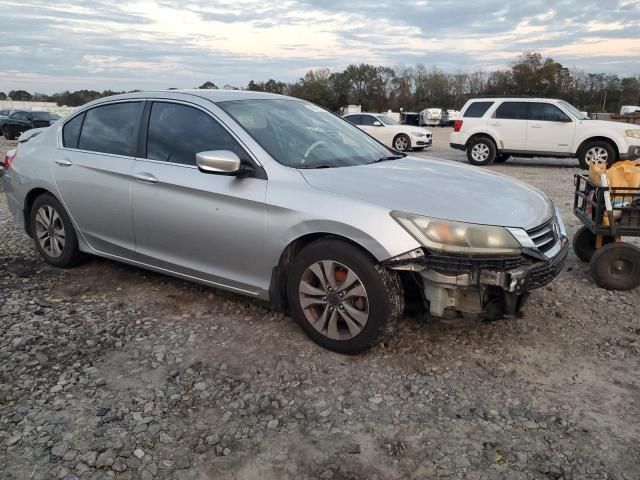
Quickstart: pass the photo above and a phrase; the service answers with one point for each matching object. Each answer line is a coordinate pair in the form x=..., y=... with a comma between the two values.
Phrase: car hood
x=602, y=124
x=439, y=189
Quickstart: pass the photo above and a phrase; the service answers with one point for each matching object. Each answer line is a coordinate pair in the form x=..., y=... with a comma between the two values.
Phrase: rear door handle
x=63, y=162
x=536, y=125
x=145, y=177
x=495, y=124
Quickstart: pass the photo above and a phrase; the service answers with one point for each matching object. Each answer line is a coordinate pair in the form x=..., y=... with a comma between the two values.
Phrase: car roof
x=515, y=99
x=213, y=95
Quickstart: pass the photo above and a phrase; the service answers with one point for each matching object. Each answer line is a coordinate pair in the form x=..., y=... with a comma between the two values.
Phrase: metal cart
x=608, y=213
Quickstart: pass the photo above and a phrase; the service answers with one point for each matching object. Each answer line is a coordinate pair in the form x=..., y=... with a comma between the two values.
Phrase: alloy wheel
x=401, y=144
x=480, y=152
x=596, y=155
x=50, y=232
x=334, y=300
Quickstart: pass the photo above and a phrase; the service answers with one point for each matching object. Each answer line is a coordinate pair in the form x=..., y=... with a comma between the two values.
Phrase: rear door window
x=547, y=112
x=112, y=129
x=513, y=111
x=367, y=120
x=477, y=109
x=71, y=132
x=177, y=132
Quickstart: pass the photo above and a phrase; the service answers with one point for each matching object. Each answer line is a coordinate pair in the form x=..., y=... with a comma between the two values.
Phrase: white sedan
x=391, y=133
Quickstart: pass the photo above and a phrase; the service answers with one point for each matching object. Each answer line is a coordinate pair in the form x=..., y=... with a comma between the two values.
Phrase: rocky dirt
x=108, y=371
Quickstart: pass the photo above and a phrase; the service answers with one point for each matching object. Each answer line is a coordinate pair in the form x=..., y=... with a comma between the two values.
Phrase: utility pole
x=604, y=103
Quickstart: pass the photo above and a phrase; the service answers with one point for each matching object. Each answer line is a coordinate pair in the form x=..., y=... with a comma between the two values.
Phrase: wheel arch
x=488, y=136
x=598, y=138
x=28, y=203
x=278, y=284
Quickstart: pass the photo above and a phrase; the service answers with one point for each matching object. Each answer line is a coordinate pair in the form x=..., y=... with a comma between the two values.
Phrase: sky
x=155, y=44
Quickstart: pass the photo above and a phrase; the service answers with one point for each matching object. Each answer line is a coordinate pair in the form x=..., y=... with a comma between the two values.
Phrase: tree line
x=412, y=88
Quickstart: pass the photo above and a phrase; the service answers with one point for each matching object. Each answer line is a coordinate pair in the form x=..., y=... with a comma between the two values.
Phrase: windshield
x=302, y=135
x=387, y=120
x=577, y=114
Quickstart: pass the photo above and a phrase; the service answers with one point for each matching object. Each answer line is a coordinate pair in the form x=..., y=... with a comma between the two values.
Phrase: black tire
x=611, y=153
x=503, y=157
x=71, y=255
x=483, y=144
x=385, y=297
x=616, y=266
x=8, y=134
x=584, y=244
x=402, y=143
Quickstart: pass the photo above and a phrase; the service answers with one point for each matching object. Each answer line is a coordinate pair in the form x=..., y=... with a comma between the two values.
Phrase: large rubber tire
x=402, y=143
x=8, y=134
x=482, y=144
x=503, y=157
x=616, y=266
x=384, y=292
x=584, y=244
x=606, y=146
x=71, y=254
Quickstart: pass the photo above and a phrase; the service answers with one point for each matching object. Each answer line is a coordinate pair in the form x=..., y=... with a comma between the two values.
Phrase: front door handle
x=145, y=177
x=536, y=125
x=63, y=162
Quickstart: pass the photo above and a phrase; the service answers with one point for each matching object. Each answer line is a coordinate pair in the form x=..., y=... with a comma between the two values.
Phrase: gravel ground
x=108, y=371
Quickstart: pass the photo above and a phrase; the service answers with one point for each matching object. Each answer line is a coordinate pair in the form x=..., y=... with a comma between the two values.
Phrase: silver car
x=278, y=199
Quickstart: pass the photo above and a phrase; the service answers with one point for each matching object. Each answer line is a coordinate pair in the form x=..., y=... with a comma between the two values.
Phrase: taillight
x=9, y=157
x=457, y=125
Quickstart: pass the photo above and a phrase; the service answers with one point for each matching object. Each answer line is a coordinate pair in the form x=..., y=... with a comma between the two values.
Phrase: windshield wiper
x=317, y=166
x=390, y=157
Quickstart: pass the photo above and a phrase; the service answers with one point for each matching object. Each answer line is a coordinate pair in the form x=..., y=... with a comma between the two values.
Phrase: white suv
x=493, y=129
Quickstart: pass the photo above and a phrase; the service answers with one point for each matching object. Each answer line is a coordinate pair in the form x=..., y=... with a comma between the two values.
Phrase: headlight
x=458, y=237
x=417, y=134
x=633, y=133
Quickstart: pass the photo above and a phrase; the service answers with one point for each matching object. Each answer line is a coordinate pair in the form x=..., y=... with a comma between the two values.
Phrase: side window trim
x=84, y=112
x=260, y=173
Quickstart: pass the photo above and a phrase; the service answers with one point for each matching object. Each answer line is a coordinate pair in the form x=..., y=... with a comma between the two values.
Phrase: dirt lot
x=108, y=371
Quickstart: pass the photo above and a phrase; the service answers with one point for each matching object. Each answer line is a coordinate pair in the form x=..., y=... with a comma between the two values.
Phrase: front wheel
x=401, y=143
x=596, y=152
x=616, y=266
x=481, y=151
x=341, y=298
x=584, y=244
x=53, y=232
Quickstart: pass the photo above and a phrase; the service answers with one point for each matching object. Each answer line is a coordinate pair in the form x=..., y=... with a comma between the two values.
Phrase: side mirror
x=377, y=124
x=221, y=162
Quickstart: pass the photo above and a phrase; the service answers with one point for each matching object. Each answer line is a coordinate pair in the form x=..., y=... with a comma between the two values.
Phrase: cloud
x=159, y=43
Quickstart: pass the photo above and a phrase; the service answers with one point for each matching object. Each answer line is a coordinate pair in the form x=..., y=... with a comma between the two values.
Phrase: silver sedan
x=278, y=199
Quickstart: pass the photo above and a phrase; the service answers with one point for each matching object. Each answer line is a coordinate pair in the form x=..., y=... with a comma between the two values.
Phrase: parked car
x=4, y=116
x=21, y=121
x=275, y=198
x=393, y=134
x=493, y=129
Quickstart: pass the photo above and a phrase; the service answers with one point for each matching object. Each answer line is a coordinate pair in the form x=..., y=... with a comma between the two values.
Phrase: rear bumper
x=632, y=154
x=457, y=146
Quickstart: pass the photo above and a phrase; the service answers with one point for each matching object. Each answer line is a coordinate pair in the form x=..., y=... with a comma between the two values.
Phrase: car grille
x=541, y=274
x=545, y=236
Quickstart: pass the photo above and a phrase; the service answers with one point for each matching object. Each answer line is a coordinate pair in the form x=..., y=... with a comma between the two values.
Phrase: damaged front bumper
x=491, y=287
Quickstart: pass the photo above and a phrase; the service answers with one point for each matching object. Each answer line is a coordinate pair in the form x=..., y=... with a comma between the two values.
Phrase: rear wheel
x=8, y=134
x=584, y=244
x=53, y=232
x=341, y=298
x=596, y=152
x=616, y=266
x=481, y=151
x=402, y=143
